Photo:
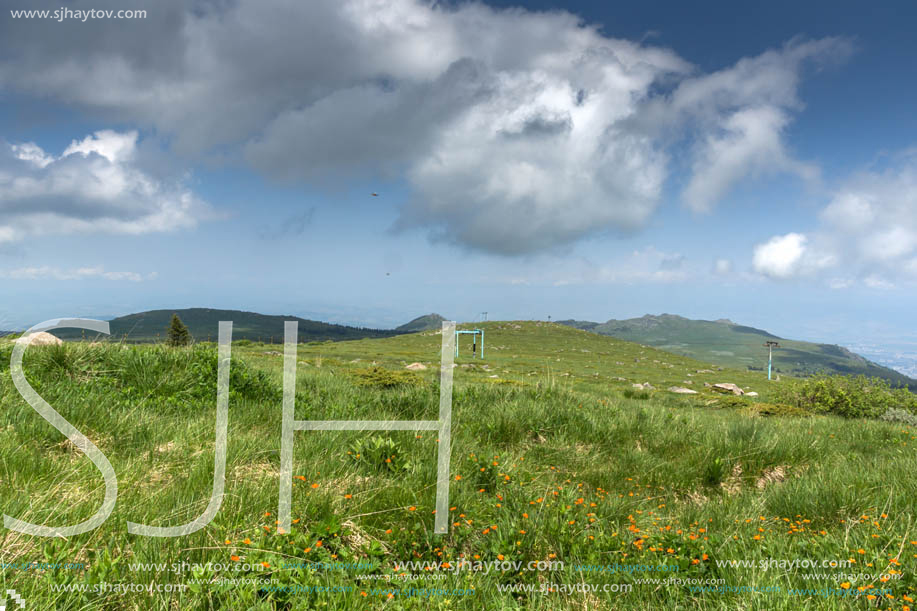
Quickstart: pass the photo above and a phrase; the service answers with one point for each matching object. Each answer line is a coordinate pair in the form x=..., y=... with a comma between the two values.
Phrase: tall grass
x=541, y=469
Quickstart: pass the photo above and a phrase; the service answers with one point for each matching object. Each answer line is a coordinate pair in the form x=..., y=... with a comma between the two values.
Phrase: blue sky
x=575, y=160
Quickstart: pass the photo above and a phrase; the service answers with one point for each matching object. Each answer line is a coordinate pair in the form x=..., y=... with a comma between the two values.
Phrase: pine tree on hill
x=178, y=332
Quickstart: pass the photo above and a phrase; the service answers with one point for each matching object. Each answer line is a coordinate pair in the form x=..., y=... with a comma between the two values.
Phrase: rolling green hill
x=726, y=343
x=203, y=323
x=428, y=322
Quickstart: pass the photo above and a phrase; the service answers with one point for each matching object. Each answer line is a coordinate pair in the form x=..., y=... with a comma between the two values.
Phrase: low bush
x=381, y=453
x=895, y=414
x=847, y=396
x=732, y=402
x=379, y=377
x=779, y=409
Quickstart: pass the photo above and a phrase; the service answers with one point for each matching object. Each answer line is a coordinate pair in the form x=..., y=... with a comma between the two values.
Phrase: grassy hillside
x=151, y=326
x=422, y=323
x=726, y=343
x=556, y=458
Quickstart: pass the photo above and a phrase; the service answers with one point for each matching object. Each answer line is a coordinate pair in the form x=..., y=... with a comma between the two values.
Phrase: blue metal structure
x=474, y=333
x=770, y=355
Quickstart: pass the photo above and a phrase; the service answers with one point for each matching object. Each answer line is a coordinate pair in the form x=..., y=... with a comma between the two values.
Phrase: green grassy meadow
x=556, y=458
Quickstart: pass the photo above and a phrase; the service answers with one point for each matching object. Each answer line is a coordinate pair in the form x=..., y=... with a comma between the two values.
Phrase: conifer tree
x=178, y=332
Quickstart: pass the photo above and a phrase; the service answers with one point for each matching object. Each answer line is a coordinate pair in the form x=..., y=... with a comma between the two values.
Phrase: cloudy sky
x=584, y=160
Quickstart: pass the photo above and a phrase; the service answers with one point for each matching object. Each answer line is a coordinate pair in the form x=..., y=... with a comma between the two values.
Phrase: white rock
x=40, y=339
x=728, y=387
x=681, y=390
x=416, y=367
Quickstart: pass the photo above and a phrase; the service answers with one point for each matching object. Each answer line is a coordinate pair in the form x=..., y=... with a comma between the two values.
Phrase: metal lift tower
x=770, y=354
x=474, y=333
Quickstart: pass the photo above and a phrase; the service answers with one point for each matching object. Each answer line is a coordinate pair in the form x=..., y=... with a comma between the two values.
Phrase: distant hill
x=427, y=322
x=203, y=323
x=726, y=343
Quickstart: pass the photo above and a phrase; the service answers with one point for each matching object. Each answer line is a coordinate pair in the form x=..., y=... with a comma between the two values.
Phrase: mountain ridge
x=724, y=342
x=427, y=322
x=151, y=325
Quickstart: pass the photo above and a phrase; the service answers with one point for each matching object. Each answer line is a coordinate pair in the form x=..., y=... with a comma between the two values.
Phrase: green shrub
x=380, y=453
x=379, y=377
x=895, y=414
x=847, y=396
x=732, y=402
x=779, y=409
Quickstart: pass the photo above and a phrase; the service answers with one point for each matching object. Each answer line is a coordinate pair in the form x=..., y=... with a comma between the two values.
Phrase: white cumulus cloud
x=867, y=232
x=95, y=185
x=781, y=256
